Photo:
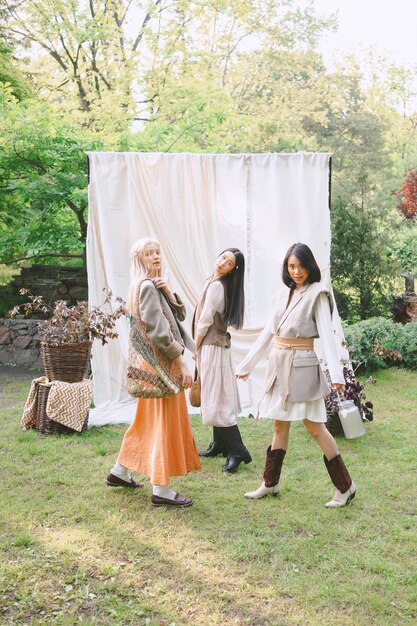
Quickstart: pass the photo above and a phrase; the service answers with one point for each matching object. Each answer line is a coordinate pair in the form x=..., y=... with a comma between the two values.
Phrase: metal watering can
x=351, y=419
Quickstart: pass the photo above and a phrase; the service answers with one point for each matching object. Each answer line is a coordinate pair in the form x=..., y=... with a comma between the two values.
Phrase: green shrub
x=363, y=337
x=407, y=345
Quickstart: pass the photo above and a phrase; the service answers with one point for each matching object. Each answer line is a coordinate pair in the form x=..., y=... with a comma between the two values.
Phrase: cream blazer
x=297, y=373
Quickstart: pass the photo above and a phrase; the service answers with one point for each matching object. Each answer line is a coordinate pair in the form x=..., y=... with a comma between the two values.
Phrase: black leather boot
x=234, y=461
x=237, y=453
x=216, y=447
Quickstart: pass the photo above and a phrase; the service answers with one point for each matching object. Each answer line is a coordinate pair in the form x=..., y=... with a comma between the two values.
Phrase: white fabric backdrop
x=196, y=205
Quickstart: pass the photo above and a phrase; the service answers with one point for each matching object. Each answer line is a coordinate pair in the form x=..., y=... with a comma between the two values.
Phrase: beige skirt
x=220, y=404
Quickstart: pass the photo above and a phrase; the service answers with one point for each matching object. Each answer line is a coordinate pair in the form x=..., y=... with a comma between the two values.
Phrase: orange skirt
x=160, y=442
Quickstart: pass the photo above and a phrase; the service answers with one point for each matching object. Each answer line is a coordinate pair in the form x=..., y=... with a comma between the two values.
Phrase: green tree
x=11, y=75
x=80, y=56
x=404, y=250
x=237, y=80
x=43, y=181
x=363, y=214
x=110, y=62
x=224, y=76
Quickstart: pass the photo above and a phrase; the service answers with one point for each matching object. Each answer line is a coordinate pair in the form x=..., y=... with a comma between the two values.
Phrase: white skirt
x=272, y=408
x=220, y=404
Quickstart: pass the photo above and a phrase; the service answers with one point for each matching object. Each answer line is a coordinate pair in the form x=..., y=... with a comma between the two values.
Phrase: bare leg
x=281, y=435
x=325, y=440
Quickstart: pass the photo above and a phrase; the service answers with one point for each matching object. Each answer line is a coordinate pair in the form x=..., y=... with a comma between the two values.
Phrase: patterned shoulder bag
x=150, y=374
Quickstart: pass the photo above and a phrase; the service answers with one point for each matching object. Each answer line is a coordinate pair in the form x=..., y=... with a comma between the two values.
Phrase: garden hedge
x=378, y=343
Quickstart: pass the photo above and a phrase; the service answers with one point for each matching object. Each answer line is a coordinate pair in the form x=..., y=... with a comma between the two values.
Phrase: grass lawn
x=74, y=551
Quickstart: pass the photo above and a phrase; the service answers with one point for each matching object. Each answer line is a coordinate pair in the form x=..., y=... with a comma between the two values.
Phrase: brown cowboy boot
x=345, y=487
x=272, y=473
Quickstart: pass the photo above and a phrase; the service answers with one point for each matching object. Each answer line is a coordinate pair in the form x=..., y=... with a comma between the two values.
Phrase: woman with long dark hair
x=221, y=305
x=295, y=385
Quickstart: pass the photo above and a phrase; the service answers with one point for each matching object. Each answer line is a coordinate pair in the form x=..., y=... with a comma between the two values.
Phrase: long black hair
x=234, y=287
x=306, y=258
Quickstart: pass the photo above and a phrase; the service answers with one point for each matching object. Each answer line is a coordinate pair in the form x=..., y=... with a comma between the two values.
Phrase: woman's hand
x=338, y=387
x=187, y=377
x=242, y=376
x=160, y=283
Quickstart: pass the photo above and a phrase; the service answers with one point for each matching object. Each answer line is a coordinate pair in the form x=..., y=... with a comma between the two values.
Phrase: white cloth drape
x=196, y=205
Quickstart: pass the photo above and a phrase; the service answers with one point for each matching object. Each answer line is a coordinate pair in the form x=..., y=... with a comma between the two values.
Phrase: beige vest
x=297, y=373
x=217, y=334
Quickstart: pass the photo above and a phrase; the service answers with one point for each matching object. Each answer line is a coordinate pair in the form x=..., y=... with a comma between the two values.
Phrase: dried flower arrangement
x=73, y=324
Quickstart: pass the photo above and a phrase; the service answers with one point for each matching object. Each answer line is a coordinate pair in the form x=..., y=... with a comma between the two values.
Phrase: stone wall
x=19, y=342
x=52, y=282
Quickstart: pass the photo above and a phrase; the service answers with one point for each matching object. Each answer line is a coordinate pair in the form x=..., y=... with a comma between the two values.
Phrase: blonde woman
x=159, y=443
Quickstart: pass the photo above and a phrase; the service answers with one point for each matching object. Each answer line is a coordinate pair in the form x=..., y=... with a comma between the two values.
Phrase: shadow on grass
x=78, y=550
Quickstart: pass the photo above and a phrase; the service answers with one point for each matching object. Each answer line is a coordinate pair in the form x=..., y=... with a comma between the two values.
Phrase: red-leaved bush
x=407, y=196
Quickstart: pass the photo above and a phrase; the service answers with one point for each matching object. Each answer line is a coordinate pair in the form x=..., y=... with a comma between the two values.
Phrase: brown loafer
x=115, y=481
x=178, y=500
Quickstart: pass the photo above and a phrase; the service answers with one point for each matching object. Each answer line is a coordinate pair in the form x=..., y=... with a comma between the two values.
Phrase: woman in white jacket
x=295, y=385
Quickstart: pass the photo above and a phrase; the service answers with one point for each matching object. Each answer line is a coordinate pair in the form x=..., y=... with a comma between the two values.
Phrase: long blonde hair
x=138, y=269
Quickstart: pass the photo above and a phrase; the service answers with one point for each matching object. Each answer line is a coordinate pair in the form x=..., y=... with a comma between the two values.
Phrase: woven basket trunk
x=45, y=425
x=67, y=362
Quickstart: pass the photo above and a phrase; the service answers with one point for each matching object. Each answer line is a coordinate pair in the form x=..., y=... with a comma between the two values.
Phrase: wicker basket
x=45, y=425
x=67, y=362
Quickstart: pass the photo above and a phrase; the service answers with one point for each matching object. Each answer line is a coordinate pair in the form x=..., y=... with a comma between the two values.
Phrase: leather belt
x=293, y=343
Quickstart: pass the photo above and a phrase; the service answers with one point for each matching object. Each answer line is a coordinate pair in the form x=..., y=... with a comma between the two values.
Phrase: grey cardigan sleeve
x=156, y=324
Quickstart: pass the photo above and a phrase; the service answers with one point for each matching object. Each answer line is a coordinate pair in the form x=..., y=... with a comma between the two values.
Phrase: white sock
x=163, y=491
x=121, y=472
